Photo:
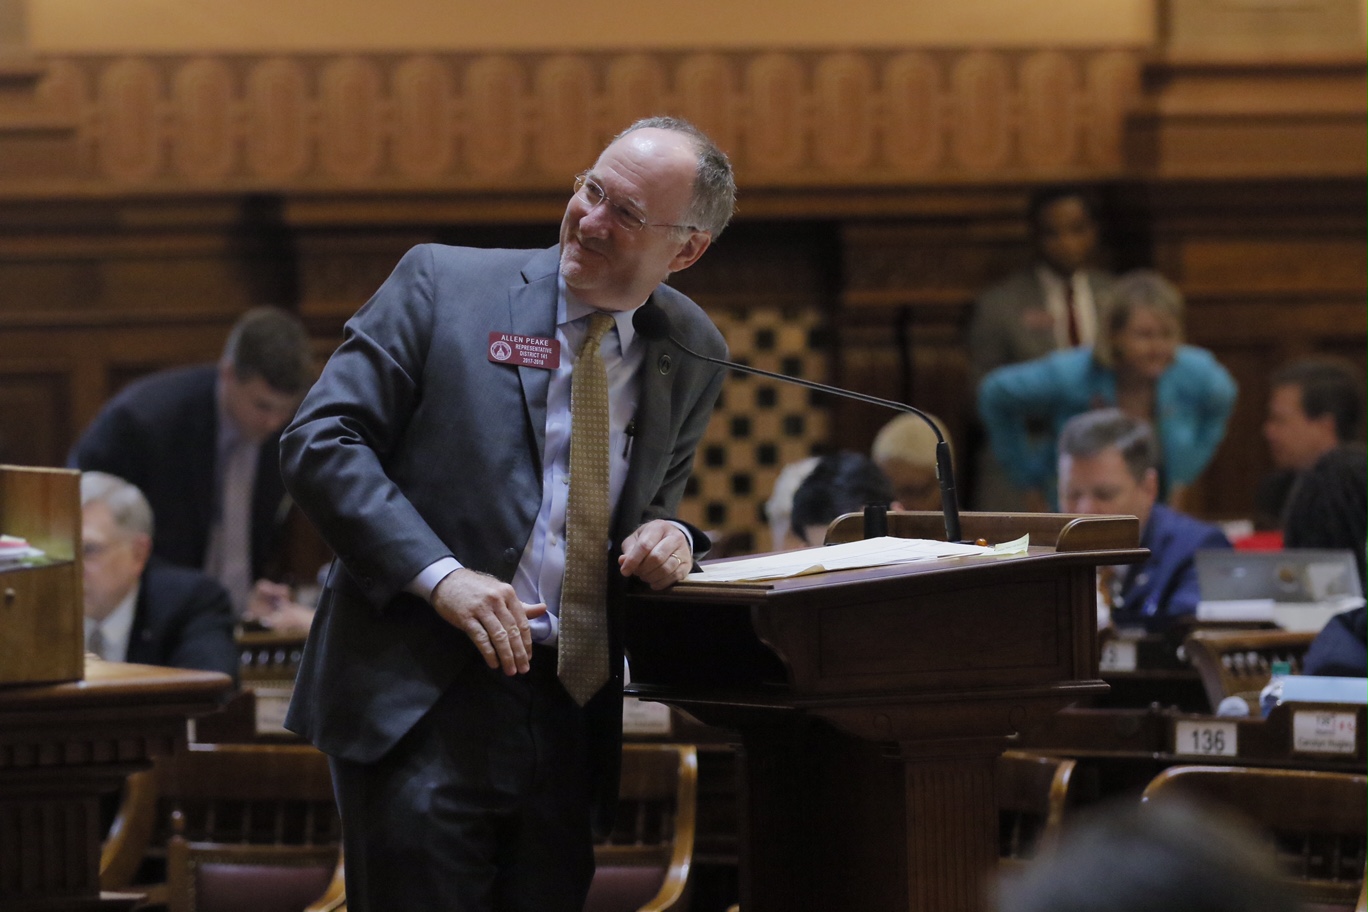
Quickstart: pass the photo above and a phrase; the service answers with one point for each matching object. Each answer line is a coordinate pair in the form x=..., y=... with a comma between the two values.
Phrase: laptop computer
x=1299, y=588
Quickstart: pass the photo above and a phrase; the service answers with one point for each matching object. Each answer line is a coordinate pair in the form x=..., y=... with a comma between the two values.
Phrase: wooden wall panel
x=887, y=300
x=514, y=121
x=150, y=199
x=1272, y=271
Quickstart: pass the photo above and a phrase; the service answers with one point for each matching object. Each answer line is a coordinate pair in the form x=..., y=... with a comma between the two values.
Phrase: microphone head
x=651, y=322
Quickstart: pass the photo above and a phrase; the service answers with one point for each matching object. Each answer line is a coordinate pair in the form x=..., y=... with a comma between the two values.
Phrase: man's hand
x=272, y=605
x=491, y=614
x=265, y=598
x=658, y=553
x=290, y=617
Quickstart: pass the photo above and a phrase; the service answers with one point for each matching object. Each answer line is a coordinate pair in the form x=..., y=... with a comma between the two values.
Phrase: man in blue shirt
x=1108, y=464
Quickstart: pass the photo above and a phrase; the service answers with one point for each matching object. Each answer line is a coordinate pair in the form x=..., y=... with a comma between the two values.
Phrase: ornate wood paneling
x=151, y=199
x=277, y=106
x=524, y=120
x=202, y=97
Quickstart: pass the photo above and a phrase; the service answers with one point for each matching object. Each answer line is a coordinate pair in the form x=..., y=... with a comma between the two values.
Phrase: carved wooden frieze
x=202, y=98
x=519, y=121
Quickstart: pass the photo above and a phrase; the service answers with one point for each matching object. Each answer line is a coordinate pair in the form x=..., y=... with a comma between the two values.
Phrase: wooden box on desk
x=40, y=606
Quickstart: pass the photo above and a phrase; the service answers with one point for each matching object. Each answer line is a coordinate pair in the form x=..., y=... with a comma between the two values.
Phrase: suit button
x=510, y=554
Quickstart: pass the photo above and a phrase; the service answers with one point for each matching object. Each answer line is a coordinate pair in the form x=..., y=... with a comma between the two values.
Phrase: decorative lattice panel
x=759, y=425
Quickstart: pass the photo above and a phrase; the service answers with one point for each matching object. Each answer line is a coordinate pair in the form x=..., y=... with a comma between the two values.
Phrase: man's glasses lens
x=593, y=194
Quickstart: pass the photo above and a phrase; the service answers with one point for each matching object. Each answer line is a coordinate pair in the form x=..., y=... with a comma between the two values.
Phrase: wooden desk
x=872, y=705
x=64, y=745
x=1154, y=667
x=1120, y=750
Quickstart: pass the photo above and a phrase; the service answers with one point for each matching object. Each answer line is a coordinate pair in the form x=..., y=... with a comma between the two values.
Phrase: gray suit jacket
x=1011, y=322
x=414, y=446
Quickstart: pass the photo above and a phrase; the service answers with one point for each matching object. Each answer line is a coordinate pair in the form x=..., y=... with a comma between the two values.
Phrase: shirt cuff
x=688, y=537
x=428, y=578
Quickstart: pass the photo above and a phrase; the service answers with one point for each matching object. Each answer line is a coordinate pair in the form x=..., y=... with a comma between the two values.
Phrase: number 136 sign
x=1205, y=738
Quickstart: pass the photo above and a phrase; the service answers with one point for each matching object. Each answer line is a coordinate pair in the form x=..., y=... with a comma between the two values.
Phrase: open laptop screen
x=1293, y=575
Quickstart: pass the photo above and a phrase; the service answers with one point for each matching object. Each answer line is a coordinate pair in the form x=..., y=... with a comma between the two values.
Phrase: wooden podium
x=872, y=704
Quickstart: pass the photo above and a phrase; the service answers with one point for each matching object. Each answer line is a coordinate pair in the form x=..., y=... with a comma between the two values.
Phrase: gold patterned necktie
x=582, y=662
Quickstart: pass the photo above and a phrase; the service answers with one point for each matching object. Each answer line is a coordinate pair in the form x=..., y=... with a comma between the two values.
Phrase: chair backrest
x=238, y=826
x=217, y=877
x=1238, y=663
x=1314, y=821
x=1032, y=794
x=644, y=864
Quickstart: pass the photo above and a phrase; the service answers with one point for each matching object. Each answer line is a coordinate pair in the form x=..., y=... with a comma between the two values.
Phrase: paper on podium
x=869, y=552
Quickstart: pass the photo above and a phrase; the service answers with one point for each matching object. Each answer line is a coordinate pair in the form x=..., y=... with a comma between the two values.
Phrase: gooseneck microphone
x=652, y=323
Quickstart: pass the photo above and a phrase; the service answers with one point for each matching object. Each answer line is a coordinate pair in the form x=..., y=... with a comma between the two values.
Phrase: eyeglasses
x=96, y=550
x=626, y=218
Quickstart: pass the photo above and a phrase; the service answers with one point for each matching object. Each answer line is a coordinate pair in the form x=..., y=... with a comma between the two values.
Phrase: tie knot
x=599, y=324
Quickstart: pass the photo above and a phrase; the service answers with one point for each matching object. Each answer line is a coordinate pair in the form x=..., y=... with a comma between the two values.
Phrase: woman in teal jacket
x=1138, y=365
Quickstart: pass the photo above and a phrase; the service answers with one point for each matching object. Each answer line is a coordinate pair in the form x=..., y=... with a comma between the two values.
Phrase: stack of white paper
x=869, y=552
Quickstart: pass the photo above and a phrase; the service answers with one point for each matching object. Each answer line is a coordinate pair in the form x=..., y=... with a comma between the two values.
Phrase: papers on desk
x=1303, y=617
x=870, y=552
x=16, y=552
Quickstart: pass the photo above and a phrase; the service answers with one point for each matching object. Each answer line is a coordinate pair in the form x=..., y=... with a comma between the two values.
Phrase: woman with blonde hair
x=1138, y=365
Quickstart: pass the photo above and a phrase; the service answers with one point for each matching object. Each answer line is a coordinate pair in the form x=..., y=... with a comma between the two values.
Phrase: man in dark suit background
x=202, y=444
x=436, y=465
x=1051, y=305
x=1314, y=406
x=1108, y=463
x=139, y=608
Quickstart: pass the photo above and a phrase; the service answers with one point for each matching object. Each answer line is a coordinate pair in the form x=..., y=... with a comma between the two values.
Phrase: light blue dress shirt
x=541, y=570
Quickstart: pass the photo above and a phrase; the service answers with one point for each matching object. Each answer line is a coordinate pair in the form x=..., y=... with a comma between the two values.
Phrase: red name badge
x=524, y=351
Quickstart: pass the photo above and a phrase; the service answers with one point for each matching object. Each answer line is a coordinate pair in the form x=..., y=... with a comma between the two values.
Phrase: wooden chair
x=644, y=864
x=1239, y=662
x=237, y=826
x=1314, y=821
x=1032, y=794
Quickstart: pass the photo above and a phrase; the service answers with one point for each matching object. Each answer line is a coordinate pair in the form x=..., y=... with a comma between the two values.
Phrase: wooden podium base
x=834, y=822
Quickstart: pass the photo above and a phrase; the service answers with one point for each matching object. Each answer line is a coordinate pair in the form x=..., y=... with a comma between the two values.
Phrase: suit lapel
x=140, y=633
x=201, y=475
x=653, y=421
x=532, y=312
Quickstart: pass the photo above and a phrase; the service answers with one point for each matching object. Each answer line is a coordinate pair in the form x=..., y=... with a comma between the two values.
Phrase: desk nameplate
x=1317, y=731
x=1205, y=738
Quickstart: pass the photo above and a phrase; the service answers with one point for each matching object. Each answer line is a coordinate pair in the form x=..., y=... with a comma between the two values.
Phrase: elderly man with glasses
x=139, y=607
x=464, y=670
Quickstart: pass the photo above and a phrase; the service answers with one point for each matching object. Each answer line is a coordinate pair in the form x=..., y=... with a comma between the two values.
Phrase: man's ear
x=142, y=549
x=692, y=248
x=1325, y=427
x=1150, y=484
